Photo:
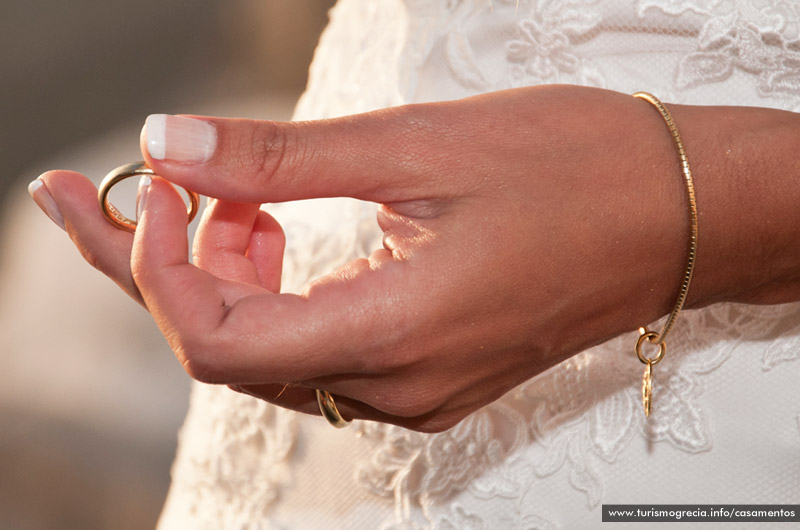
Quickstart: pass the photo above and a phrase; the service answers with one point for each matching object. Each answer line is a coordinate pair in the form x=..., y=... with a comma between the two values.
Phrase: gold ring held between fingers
x=327, y=406
x=121, y=173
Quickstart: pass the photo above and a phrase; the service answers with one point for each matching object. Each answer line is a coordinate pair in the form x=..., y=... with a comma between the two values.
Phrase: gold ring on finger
x=327, y=406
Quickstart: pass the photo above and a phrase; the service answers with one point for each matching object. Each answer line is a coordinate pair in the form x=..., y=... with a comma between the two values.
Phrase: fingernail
x=141, y=195
x=180, y=139
x=41, y=196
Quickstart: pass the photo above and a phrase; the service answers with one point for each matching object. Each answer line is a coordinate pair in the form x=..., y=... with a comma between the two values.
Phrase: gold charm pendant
x=647, y=379
x=647, y=388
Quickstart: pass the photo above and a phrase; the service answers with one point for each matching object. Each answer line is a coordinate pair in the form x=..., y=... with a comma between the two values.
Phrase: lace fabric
x=551, y=451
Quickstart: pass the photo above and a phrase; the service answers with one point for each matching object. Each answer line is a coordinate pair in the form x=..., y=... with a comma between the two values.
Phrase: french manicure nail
x=41, y=196
x=179, y=139
x=141, y=195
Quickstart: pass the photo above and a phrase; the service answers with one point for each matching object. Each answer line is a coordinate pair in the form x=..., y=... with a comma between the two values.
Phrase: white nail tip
x=34, y=186
x=180, y=139
x=41, y=196
x=156, y=133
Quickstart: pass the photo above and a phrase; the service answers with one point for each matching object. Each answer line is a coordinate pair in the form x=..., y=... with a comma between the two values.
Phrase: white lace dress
x=726, y=427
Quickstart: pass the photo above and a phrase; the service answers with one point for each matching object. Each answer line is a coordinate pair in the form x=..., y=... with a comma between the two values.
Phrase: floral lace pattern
x=760, y=38
x=541, y=44
x=555, y=440
x=543, y=48
x=549, y=42
x=216, y=459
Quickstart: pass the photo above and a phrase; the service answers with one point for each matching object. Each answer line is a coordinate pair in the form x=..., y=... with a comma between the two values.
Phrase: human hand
x=519, y=229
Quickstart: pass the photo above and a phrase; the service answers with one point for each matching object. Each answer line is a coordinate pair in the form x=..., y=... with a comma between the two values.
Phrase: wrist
x=745, y=166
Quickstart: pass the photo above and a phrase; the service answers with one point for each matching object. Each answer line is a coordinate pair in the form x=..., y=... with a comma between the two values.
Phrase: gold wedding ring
x=327, y=406
x=121, y=173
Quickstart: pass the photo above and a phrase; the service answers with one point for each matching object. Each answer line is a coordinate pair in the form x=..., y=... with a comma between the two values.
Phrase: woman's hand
x=520, y=227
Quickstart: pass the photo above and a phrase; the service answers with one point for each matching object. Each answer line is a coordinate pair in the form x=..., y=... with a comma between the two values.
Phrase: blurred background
x=91, y=398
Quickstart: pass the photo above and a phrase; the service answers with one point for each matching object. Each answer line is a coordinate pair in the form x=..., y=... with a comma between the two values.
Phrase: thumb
x=378, y=156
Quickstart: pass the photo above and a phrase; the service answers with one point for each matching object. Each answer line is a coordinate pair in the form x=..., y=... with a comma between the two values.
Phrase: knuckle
x=198, y=360
x=93, y=259
x=201, y=368
x=273, y=148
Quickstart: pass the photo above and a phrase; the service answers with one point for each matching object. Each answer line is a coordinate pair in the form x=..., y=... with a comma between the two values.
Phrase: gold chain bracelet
x=645, y=334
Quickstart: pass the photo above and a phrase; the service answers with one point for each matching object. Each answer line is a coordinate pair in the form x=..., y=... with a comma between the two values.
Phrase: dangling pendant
x=647, y=380
x=647, y=388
